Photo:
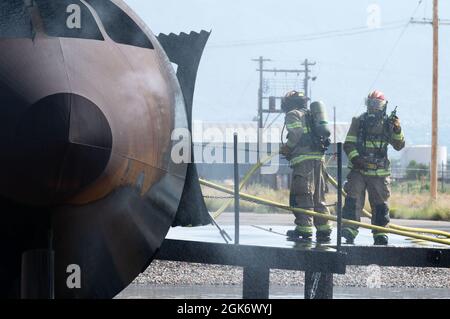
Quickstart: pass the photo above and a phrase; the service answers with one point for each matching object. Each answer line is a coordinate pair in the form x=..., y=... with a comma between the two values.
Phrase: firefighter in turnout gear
x=305, y=151
x=366, y=146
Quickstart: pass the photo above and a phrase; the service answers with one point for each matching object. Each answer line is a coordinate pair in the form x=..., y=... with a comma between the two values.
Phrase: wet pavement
x=274, y=236
x=249, y=218
x=277, y=292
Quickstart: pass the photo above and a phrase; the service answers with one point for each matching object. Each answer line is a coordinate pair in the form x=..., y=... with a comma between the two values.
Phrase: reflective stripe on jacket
x=376, y=138
x=299, y=139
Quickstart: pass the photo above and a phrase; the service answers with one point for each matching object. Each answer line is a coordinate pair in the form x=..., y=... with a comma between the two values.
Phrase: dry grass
x=419, y=206
x=281, y=196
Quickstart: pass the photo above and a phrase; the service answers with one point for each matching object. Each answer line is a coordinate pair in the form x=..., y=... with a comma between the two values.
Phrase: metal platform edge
x=257, y=261
x=315, y=260
x=319, y=265
x=394, y=256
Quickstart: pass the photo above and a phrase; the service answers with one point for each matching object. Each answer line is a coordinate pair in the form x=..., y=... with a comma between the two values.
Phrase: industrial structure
x=216, y=138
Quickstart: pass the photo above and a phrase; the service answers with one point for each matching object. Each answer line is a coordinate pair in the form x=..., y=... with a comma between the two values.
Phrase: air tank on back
x=320, y=119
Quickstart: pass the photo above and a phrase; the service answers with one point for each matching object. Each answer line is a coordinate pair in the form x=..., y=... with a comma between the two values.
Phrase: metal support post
x=339, y=196
x=318, y=285
x=256, y=283
x=236, y=191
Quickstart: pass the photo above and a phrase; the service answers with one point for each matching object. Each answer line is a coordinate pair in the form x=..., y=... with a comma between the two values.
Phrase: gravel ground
x=177, y=273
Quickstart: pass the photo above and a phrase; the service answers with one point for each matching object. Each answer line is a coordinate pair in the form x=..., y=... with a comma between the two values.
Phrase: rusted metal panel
x=85, y=134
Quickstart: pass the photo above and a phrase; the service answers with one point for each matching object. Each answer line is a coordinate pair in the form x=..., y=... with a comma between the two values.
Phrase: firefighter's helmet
x=376, y=101
x=294, y=100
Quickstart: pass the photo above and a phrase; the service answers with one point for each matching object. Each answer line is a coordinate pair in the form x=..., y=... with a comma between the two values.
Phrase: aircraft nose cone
x=61, y=144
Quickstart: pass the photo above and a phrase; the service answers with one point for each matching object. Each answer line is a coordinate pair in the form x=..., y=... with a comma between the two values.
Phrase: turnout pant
x=308, y=191
x=378, y=189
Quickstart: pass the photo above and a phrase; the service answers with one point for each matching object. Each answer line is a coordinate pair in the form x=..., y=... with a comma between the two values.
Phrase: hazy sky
x=347, y=66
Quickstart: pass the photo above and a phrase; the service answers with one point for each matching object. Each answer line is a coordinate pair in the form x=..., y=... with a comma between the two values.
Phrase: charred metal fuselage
x=86, y=117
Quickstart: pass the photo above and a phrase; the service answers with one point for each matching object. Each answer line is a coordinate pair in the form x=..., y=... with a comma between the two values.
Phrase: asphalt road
x=227, y=218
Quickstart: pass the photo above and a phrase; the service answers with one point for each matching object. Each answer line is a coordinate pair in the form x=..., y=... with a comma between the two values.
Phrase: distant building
x=422, y=155
x=213, y=149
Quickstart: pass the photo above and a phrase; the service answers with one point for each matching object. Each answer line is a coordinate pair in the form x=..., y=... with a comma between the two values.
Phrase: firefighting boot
x=323, y=233
x=349, y=235
x=380, y=239
x=297, y=234
x=323, y=237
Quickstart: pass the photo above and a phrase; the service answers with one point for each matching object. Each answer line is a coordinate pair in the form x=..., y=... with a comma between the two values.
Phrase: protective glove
x=396, y=125
x=326, y=143
x=285, y=151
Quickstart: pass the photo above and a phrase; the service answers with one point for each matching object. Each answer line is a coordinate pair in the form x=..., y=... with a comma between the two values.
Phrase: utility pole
x=435, y=22
x=334, y=129
x=261, y=61
x=435, y=112
x=272, y=99
x=307, y=64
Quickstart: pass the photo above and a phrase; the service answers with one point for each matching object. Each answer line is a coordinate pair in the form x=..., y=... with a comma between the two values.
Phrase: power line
x=273, y=122
x=386, y=61
x=311, y=36
x=430, y=21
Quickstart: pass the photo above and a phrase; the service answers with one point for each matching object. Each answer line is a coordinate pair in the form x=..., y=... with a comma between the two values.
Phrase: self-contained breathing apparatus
x=318, y=126
x=378, y=158
x=318, y=132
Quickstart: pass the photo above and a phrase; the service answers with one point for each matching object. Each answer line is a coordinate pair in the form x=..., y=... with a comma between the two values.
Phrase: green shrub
x=416, y=171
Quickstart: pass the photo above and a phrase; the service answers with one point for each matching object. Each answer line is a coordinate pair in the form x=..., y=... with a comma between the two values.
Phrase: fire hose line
x=393, y=226
x=265, y=202
x=255, y=168
x=244, y=181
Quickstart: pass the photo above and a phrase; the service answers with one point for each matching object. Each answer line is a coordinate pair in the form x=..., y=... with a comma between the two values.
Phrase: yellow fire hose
x=409, y=229
x=243, y=183
x=253, y=170
x=270, y=203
